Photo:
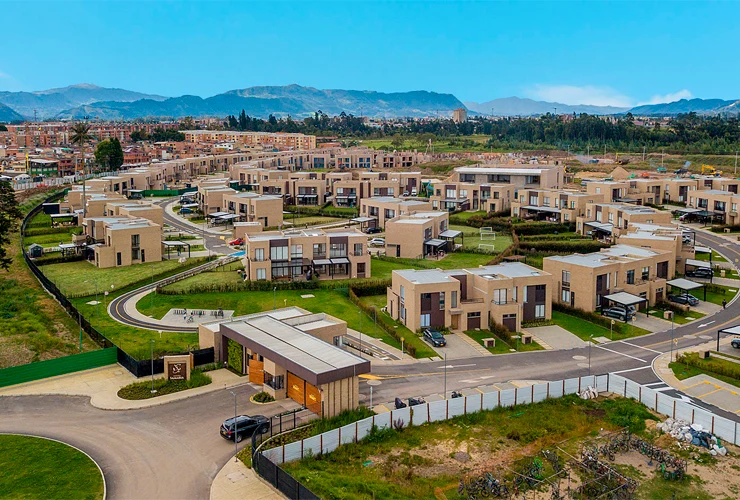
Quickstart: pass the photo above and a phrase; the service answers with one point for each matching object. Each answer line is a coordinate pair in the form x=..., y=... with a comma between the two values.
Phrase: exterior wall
x=723, y=202
x=621, y=215
x=340, y=395
x=119, y=241
x=384, y=208
x=519, y=176
x=472, y=197
x=405, y=235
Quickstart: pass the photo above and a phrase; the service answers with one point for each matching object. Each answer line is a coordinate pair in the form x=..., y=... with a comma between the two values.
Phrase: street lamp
x=151, y=344
x=671, y=335
x=236, y=445
x=360, y=313
x=274, y=298
x=590, y=341
x=445, y=375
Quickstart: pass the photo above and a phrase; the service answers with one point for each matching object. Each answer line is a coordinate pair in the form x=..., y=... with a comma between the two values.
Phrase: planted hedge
x=268, y=286
x=563, y=247
x=714, y=365
x=369, y=311
x=591, y=317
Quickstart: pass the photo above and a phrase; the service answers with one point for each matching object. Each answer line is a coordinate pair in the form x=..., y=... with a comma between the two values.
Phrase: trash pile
x=589, y=393
x=694, y=434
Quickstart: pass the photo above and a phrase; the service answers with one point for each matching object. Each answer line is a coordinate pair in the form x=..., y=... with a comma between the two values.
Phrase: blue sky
x=619, y=53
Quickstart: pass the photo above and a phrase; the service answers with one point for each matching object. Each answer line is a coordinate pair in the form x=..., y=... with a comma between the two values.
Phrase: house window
x=118, y=258
x=565, y=296
x=403, y=313
x=454, y=298
x=402, y=293
x=296, y=251
x=319, y=250
x=261, y=273
x=358, y=249
x=337, y=250
x=645, y=273
x=514, y=297
x=279, y=253
x=441, y=301
x=631, y=277
x=566, y=277
x=499, y=296
x=424, y=320
x=259, y=254
x=539, y=311
x=526, y=298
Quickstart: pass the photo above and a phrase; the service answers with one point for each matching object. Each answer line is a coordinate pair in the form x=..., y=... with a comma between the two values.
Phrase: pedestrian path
x=235, y=481
x=478, y=348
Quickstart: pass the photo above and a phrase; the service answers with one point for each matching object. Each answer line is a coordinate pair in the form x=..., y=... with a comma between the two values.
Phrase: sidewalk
x=235, y=481
x=101, y=385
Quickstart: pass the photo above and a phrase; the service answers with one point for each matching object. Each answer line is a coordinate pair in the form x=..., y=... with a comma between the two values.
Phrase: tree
x=81, y=136
x=139, y=135
x=187, y=123
x=242, y=120
x=397, y=141
x=3, y=128
x=9, y=215
x=109, y=153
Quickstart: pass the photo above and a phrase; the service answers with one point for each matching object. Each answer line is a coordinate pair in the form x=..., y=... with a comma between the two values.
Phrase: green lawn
x=715, y=257
x=683, y=371
x=585, y=329
x=312, y=220
x=502, y=347
x=46, y=239
x=83, y=278
x=716, y=297
x=471, y=239
x=39, y=468
x=679, y=318
x=143, y=390
x=729, y=274
x=382, y=268
x=332, y=302
x=467, y=215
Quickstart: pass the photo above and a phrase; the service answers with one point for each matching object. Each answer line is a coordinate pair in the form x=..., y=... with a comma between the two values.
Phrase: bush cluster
x=563, y=246
x=263, y=397
x=143, y=390
x=353, y=297
x=718, y=366
x=591, y=317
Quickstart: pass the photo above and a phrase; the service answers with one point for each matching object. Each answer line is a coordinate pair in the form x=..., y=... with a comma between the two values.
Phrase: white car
x=377, y=242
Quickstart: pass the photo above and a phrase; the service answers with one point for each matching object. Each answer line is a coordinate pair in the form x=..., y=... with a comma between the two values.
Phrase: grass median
x=37, y=468
x=143, y=390
x=585, y=329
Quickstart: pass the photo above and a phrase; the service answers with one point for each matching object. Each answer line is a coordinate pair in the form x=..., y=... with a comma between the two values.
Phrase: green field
x=502, y=347
x=333, y=302
x=83, y=278
x=471, y=239
x=715, y=257
x=584, y=329
x=37, y=468
x=441, y=145
x=718, y=294
x=682, y=371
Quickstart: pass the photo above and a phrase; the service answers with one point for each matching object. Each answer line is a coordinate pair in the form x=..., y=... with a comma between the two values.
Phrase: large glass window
x=261, y=273
x=296, y=251
x=358, y=249
x=279, y=253
x=539, y=311
x=259, y=254
x=424, y=320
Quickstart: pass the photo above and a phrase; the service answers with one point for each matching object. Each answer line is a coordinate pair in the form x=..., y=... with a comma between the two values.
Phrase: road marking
x=497, y=387
x=620, y=353
x=456, y=366
x=625, y=371
x=654, y=383
x=640, y=347
x=705, y=324
x=708, y=393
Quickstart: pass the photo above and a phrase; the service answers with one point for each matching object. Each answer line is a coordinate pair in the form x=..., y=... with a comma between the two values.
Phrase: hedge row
x=326, y=210
x=369, y=311
x=42, y=261
x=721, y=229
x=38, y=231
x=591, y=317
x=532, y=228
x=499, y=330
x=574, y=246
x=267, y=286
x=714, y=365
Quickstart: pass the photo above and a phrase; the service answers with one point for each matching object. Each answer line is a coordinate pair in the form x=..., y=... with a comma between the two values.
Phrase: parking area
x=713, y=391
x=556, y=337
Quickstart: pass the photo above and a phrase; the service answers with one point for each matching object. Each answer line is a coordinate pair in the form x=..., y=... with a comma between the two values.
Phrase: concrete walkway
x=101, y=385
x=555, y=337
x=235, y=481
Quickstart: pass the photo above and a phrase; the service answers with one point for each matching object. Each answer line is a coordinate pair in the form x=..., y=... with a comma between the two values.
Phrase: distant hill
x=293, y=100
x=7, y=115
x=48, y=103
x=700, y=106
x=516, y=106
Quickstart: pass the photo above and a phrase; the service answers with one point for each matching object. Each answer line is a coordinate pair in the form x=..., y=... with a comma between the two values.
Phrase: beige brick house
x=418, y=235
x=453, y=196
x=383, y=208
x=129, y=241
x=611, y=219
x=465, y=299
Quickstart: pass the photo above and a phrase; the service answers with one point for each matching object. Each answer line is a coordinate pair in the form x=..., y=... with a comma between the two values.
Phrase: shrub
x=235, y=355
x=564, y=247
x=499, y=330
x=263, y=397
x=369, y=311
x=718, y=366
x=143, y=390
x=591, y=317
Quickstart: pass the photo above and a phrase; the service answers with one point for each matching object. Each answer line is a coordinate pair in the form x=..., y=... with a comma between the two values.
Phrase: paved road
x=632, y=357
x=211, y=241
x=170, y=451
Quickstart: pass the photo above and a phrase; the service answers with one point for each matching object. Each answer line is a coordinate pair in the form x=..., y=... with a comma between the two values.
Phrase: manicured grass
x=679, y=317
x=683, y=371
x=584, y=329
x=143, y=390
x=472, y=239
x=39, y=468
x=418, y=462
x=502, y=347
x=729, y=274
x=716, y=297
x=333, y=302
x=467, y=215
x=47, y=239
x=83, y=278
x=715, y=257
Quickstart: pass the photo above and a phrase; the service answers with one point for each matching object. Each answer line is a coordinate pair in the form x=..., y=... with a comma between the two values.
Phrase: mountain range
x=86, y=100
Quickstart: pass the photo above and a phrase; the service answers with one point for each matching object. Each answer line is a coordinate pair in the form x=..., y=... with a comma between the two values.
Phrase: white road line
x=660, y=389
x=654, y=383
x=620, y=353
x=631, y=370
x=640, y=347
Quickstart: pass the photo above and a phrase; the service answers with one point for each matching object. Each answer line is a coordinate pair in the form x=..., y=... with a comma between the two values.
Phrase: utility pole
x=643, y=153
x=735, y=162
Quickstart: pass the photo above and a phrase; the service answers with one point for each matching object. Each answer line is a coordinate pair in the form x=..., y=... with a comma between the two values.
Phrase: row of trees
x=158, y=135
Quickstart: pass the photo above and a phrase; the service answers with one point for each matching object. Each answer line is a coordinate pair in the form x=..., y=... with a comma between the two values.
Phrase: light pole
x=401, y=347
x=274, y=298
x=360, y=313
x=671, y=336
x=236, y=445
x=735, y=162
x=371, y=397
x=445, y=375
x=590, y=341
x=151, y=344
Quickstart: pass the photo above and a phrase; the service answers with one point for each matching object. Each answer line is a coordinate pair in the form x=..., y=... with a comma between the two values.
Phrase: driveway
x=557, y=337
x=169, y=451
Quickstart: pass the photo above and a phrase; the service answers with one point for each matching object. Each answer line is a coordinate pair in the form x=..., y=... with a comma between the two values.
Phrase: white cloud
x=676, y=96
x=571, y=94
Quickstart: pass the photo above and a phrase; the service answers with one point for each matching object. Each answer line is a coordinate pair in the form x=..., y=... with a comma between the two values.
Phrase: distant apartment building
x=383, y=208
x=583, y=280
x=302, y=254
x=551, y=204
x=521, y=177
x=465, y=299
x=718, y=205
x=466, y=196
x=460, y=115
x=611, y=219
x=419, y=234
x=279, y=139
x=393, y=183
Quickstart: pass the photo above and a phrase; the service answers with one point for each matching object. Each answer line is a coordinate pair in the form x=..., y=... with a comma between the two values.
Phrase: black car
x=434, y=337
x=699, y=272
x=373, y=230
x=684, y=299
x=245, y=427
x=735, y=343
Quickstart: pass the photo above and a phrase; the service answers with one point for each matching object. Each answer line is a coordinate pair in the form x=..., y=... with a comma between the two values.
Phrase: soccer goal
x=487, y=247
x=486, y=233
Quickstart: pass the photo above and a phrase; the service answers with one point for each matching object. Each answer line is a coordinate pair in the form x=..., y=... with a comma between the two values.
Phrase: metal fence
x=138, y=368
x=442, y=410
x=281, y=480
x=57, y=366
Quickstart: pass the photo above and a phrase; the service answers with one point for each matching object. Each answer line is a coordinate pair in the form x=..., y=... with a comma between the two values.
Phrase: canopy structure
x=177, y=245
x=56, y=218
x=189, y=205
x=625, y=299
x=603, y=227
x=365, y=222
x=733, y=330
x=450, y=233
x=687, y=285
x=701, y=249
x=533, y=208
x=688, y=210
x=698, y=264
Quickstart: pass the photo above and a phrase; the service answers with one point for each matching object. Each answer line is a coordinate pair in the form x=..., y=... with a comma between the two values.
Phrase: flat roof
x=312, y=359
x=624, y=298
x=450, y=233
x=684, y=284
x=697, y=263
x=498, y=170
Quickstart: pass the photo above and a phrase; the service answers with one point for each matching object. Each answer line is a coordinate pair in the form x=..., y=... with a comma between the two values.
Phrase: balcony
x=471, y=301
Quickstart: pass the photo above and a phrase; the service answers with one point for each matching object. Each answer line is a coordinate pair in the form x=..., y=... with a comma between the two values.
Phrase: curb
x=105, y=484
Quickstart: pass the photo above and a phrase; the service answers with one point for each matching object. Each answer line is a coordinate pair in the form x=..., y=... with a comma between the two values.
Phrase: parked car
x=434, y=337
x=684, y=299
x=699, y=272
x=186, y=211
x=377, y=242
x=237, y=241
x=373, y=230
x=618, y=311
x=245, y=427
x=735, y=343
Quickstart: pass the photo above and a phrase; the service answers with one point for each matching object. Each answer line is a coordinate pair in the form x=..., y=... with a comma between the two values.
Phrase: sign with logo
x=177, y=371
